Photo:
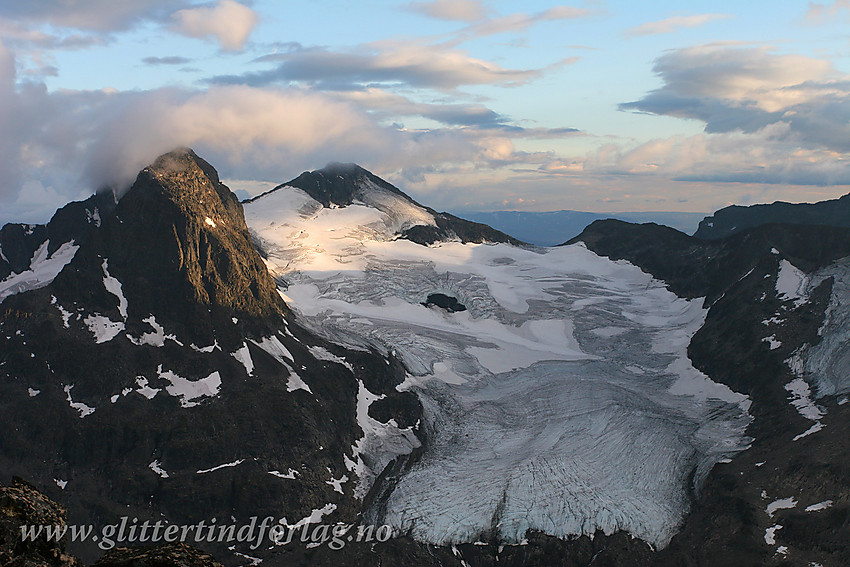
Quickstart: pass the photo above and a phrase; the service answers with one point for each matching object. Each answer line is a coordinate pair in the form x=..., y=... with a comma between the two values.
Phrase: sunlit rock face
x=561, y=400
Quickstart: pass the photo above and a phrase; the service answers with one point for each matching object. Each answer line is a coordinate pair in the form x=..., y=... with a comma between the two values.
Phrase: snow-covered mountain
x=561, y=398
x=338, y=352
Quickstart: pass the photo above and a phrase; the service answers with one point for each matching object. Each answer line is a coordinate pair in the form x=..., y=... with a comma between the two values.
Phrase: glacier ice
x=561, y=400
x=826, y=365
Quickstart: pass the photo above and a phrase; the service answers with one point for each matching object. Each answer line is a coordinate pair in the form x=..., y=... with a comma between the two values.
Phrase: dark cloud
x=170, y=60
x=747, y=89
x=409, y=64
x=94, y=15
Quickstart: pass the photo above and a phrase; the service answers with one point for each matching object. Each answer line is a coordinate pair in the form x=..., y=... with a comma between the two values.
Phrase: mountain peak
x=339, y=168
x=178, y=242
x=341, y=184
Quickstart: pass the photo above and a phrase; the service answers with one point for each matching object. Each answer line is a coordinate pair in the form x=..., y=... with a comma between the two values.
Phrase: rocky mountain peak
x=178, y=239
x=341, y=184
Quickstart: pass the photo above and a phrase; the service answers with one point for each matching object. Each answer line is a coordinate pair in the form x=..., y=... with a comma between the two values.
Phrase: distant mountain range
x=334, y=352
x=556, y=227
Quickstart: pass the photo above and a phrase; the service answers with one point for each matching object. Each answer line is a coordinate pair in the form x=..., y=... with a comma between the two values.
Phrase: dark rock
x=443, y=301
x=735, y=218
x=74, y=222
x=170, y=555
x=22, y=505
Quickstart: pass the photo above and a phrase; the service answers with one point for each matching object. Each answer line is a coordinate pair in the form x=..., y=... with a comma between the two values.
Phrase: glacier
x=825, y=366
x=562, y=400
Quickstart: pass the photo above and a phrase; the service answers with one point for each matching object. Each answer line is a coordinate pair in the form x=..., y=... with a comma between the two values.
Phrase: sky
x=467, y=105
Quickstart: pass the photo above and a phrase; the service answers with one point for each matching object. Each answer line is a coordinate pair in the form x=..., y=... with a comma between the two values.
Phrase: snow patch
x=770, y=534
x=157, y=338
x=781, y=504
x=113, y=286
x=791, y=283
x=380, y=444
x=156, y=467
x=103, y=328
x=243, y=355
x=79, y=406
x=290, y=475
x=337, y=483
x=313, y=518
x=43, y=269
x=224, y=466
x=190, y=390
x=60, y=483
x=66, y=315
x=33, y=392
x=819, y=506
x=813, y=429
x=321, y=353
x=146, y=390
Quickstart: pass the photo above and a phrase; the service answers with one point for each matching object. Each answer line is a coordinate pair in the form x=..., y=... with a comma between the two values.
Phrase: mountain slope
x=736, y=218
x=777, y=296
x=160, y=375
x=32, y=255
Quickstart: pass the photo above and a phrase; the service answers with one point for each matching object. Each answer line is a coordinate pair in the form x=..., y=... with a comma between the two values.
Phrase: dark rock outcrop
x=170, y=555
x=23, y=506
x=74, y=222
x=736, y=218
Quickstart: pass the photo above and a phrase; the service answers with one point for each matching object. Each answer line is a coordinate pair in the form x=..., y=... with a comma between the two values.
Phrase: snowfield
x=561, y=400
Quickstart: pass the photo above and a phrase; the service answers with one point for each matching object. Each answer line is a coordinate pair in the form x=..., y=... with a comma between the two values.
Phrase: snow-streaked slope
x=44, y=267
x=826, y=365
x=561, y=400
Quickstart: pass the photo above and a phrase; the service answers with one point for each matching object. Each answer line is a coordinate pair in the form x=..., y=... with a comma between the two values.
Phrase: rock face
x=161, y=376
x=21, y=504
x=735, y=218
x=772, y=292
x=172, y=555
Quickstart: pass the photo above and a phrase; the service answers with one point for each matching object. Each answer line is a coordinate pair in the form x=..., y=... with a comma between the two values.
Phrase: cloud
x=229, y=22
x=674, y=23
x=452, y=10
x=517, y=22
x=170, y=60
x=16, y=34
x=59, y=145
x=93, y=15
x=386, y=62
x=817, y=13
x=748, y=89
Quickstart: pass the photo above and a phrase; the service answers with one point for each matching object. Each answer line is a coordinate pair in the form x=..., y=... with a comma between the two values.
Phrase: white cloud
x=673, y=23
x=452, y=10
x=229, y=22
x=818, y=13
x=517, y=22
